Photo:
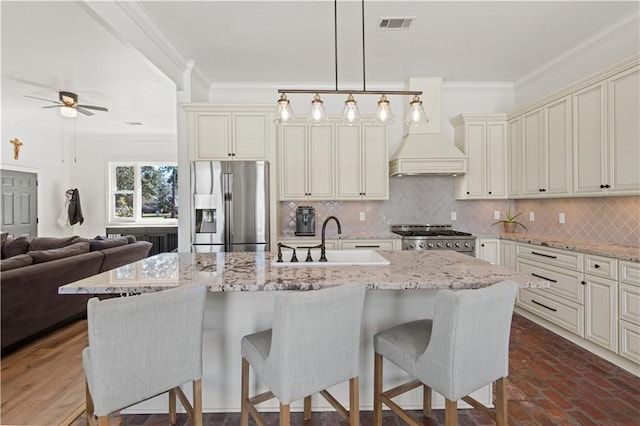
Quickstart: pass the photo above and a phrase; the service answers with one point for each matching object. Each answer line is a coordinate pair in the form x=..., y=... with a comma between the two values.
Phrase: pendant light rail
x=352, y=92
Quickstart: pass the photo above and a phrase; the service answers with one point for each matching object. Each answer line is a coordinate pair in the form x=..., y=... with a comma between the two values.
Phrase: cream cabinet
x=483, y=137
x=488, y=249
x=601, y=311
x=229, y=133
x=606, y=134
x=385, y=244
x=306, y=166
x=514, y=160
x=629, y=310
x=546, y=150
x=362, y=165
x=508, y=254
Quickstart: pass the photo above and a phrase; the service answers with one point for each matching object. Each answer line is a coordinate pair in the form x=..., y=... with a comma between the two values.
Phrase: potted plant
x=510, y=221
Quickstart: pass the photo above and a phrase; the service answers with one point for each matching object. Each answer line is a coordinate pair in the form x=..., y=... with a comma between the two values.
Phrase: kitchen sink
x=334, y=258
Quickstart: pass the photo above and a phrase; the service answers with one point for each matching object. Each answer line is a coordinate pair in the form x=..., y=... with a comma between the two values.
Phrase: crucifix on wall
x=16, y=148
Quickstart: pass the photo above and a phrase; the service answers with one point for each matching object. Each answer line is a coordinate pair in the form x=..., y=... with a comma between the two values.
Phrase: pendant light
x=350, y=113
x=416, y=115
x=317, y=115
x=284, y=113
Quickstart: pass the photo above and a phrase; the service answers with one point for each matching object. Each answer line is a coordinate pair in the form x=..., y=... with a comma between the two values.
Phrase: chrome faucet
x=323, y=254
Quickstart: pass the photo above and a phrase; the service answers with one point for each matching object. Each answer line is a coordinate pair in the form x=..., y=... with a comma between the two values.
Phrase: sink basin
x=334, y=258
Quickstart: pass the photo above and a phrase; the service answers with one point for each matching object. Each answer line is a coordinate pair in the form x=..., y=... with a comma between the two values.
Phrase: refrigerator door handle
x=228, y=207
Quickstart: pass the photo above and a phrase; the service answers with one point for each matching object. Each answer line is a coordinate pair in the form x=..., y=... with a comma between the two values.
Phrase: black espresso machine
x=305, y=221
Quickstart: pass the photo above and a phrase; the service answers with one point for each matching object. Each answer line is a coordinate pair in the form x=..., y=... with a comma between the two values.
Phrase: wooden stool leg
x=285, y=415
x=426, y=400
x=354, y=401
x=89, y=404
x=501, y=401
x=103, y=421
x=197, y=402
x=451, y=413
x=307, y=408
x=172, y=406
x=244, y=409
x=377, y=390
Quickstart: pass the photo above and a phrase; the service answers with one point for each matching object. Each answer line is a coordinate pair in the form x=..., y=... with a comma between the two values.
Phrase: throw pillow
x=15, y=246
x=15, y=262
x=3, y=239
x=40, y=256
x=48, y=243
x=130, y=238
x=108, y=243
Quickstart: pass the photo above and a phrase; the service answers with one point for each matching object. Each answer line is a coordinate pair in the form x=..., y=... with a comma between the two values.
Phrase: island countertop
x=252, y=271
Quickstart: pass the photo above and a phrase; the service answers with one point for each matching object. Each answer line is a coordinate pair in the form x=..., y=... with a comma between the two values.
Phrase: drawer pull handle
x=583, y=282
x=366, y=246
x=544, y=278
x=596, y=266
x=545, y=255
x=544, y=306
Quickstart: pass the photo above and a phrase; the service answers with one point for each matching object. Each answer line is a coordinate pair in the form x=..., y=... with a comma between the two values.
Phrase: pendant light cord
x=364, y=78
x=335, y=37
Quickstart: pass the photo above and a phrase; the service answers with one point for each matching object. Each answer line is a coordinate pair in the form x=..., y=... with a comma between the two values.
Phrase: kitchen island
x=242, y=287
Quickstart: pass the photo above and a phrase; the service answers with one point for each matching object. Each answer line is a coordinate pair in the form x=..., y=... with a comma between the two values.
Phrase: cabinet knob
x=481, y=245
x=489, y=192
x=467, y=192
x=596, y=266
x=229, y=154
x=607, y=186
x=583, y=282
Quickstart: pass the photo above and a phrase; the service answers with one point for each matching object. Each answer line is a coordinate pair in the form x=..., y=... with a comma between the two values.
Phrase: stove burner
x=435, y=237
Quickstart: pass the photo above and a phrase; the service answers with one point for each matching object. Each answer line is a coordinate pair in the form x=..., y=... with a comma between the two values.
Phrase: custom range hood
x=424, y=150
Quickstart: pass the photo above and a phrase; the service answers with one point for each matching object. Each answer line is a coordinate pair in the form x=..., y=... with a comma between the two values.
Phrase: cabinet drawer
x=629, y=272
x=629, y=341
x=601, y=266
x=564, y=313
x=550, y=256
x=367, y=244
x=564, y=282
x=629, y=303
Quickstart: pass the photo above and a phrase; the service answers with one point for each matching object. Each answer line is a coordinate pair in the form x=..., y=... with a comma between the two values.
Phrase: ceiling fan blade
x=84, y=111
x=99, y=108
x=42, y=99
x=53, y=106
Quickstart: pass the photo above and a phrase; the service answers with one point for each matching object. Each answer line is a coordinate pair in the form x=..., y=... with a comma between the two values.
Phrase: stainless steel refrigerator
x=230, y=206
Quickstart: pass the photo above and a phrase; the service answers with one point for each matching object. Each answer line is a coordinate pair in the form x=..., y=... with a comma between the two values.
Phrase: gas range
x=435, y=237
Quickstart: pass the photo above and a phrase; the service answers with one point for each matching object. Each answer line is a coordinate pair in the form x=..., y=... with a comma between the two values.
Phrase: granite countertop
x=245, y=271
x=631, y=254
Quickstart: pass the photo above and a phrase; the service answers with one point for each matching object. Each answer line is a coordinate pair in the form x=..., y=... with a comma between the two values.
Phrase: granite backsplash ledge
x=429, y=199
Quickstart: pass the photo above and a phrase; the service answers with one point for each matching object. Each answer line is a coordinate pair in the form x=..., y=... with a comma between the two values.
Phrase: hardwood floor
x=551, y=382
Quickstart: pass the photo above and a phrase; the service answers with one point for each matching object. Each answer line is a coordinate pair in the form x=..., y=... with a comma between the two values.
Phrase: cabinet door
x=508, y=254
x=489, y=250
x=514, y=165
x=589, y=133
x=532, y=153
x=624, y=133
x=250, y=136
x=558, y=147
x=348, y=160
x=601, y=312
x=213, y=136
x=320, y=162
x=496, y=160
x=375, y=163
x=476, y=153
x=293, y=160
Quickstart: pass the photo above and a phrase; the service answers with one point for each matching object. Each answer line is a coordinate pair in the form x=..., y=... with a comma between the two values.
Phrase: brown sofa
x=29, y=281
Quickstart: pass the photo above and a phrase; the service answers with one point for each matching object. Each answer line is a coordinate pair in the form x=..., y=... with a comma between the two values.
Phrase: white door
x=20, y=203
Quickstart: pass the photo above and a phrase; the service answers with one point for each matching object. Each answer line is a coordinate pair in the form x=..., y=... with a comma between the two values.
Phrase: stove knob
x=466, y=245
x=412, y=245
x=448, y=244
x=421, y=245
x=439, y=244
x=430, y=245
x=457, y=244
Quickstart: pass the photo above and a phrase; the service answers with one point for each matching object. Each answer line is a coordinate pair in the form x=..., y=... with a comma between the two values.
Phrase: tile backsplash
x=429, y=199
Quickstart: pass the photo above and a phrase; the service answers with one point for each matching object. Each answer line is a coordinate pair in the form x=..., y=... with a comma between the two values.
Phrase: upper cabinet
x=232, y=133
x=483, y=137
x=607, y=136
x=306, y=162
x=362, y=163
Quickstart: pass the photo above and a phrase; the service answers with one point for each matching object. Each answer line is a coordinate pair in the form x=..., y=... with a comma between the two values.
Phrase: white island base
x=231, y=315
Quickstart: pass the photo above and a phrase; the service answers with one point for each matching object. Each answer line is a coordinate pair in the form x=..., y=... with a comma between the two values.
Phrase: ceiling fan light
x=416, y=116
x=68, y=112
x=318, y=114
x=350, y=113
x=284, y=113
x=383, y=112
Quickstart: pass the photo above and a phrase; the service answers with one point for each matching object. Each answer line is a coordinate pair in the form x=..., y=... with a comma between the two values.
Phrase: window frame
x=137, y=194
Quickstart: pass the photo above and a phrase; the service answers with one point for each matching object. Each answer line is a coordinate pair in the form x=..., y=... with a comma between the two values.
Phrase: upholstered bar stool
x=313, y=345
x=463, y=348
x=143, y=346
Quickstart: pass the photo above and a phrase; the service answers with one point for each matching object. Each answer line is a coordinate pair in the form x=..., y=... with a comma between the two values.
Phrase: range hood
x=424, y=150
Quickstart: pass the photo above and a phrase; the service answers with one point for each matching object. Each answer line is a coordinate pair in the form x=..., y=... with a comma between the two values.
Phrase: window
x=143, y=192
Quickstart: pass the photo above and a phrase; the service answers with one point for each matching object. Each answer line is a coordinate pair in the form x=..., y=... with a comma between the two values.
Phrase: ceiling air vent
x=395, y=23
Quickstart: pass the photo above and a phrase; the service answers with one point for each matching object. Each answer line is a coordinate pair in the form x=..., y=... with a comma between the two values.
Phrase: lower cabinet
x=601, y=309
x=508, y=254
x=488, y=249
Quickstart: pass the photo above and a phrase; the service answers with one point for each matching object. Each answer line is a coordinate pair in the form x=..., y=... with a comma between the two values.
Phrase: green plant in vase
x=510, y=221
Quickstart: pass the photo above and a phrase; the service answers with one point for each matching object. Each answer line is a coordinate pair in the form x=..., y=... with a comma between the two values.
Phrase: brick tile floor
x=551, y=382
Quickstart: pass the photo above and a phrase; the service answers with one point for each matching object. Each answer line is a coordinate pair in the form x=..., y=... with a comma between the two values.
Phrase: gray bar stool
x=313, y=345
x=143, y=346
x=463, y=348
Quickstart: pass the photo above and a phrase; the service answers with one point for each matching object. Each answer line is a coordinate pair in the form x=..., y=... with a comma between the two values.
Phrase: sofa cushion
x=102, y=244
x=48, y=243
x=75, y=249
x=15, y=262
x=15, y=246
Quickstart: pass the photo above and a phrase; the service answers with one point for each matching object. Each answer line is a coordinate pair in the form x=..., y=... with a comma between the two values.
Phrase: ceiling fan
x=70, y=100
